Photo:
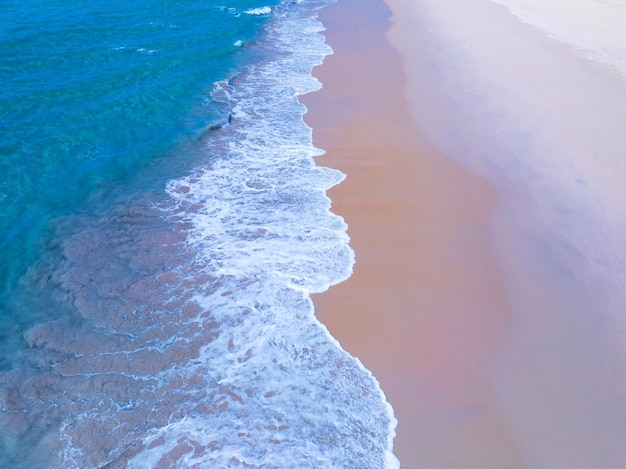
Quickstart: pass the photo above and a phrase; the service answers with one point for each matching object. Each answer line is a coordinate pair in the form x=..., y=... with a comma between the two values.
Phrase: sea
x=163, y=223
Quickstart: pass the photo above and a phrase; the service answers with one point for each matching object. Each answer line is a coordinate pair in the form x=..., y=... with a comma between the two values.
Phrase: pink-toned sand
x=424, y=309
x=481, y=354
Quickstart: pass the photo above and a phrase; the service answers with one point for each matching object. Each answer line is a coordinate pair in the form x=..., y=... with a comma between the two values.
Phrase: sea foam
x=259, y=11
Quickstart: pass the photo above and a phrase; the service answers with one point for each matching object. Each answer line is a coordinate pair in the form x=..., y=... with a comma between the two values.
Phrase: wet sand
x=479, y=325
x=424, y=309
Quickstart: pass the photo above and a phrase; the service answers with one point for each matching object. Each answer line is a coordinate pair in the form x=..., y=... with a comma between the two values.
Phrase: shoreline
x=416, y=222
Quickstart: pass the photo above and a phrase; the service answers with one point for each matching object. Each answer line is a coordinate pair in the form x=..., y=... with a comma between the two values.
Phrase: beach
x=483, y=205
x=313, y=234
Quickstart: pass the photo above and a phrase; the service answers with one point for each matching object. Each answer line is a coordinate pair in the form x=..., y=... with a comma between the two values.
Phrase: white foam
x=143, y=50
x=259, y=11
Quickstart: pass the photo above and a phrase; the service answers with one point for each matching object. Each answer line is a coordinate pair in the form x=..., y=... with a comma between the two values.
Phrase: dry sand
x=482, y=339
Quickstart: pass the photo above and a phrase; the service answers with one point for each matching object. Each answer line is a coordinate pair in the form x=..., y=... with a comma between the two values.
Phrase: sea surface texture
x=162, y=226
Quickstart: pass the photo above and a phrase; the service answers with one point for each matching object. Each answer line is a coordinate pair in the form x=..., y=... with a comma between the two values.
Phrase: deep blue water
x=162, y=226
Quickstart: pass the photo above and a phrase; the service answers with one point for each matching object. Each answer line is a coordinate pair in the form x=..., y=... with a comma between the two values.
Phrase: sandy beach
x=477, y=322
x=424, y=308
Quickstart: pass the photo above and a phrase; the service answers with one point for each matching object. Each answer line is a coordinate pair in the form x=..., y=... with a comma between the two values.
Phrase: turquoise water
x=93, y=92
x=163, y=225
